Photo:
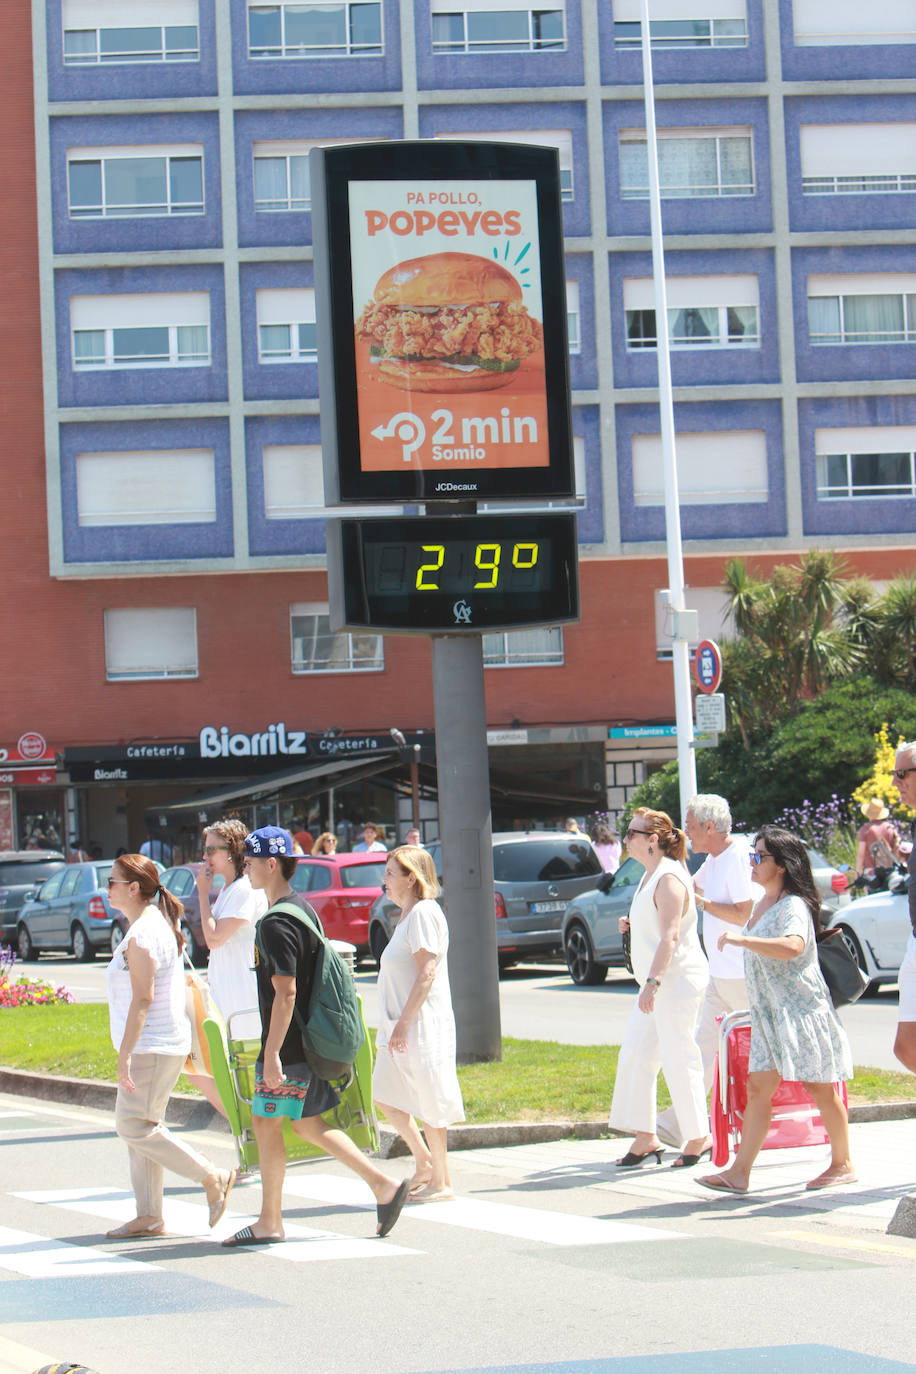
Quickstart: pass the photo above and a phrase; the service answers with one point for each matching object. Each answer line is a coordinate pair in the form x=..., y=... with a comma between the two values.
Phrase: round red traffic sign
x=708, y=665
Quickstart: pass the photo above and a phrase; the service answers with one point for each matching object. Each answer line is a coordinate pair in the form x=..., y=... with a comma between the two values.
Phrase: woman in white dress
x=795, y=1034
x=672, y=971
x=228, y=929
x=415, y=1073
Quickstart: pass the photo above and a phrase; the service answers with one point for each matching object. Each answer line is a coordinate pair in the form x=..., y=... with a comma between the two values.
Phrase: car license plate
x=541, y=907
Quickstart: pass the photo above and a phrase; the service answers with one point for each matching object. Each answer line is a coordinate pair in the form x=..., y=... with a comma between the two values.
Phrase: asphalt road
x=540, y=1002
x=550, y=1260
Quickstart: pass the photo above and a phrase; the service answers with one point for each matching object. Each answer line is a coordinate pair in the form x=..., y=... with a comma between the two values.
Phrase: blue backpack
x=332, y=1027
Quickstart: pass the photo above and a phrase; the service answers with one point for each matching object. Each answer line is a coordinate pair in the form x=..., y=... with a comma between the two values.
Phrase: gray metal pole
x=467, y=850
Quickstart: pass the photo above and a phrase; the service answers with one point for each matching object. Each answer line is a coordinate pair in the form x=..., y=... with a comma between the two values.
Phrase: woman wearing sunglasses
x=672, y=971
x=228, y=929
x=795, y=1034
x=152, y=1035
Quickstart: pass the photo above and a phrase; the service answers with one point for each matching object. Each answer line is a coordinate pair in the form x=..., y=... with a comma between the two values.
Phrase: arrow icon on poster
x=407, y=427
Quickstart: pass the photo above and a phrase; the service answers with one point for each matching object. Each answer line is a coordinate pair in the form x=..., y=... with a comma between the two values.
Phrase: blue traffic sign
x=708, y=665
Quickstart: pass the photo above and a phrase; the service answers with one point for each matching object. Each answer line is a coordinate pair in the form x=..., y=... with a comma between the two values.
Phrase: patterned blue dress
x=794, y=1028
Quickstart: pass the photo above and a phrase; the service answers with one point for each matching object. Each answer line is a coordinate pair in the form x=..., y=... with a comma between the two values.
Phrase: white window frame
x=718, y=293
x=843, y=289
x=712, y=468
x=146, y=487
x=168, y=153
x=140, y=630
x=573, y=317
x=858, y=159
x=354, y=645
x=106, y=316
x=291, y=51
x=283, y=150
x=850, y=23
x=561, y=139
x=892, y=441
x=715, y=24
x=465, y=46
x=286, y=308
x=718, y=190
x=518, y=648
x=97, y=17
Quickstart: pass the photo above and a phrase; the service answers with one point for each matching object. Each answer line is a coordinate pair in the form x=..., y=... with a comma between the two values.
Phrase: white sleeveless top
x=688, y=960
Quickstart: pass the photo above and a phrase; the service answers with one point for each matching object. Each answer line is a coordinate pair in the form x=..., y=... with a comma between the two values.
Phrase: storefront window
x=40, y=819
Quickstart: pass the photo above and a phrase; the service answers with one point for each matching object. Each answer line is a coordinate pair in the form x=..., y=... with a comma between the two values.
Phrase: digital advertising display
x=441, y=305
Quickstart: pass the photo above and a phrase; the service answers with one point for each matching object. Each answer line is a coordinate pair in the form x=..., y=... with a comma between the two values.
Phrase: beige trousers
x=151, y=1147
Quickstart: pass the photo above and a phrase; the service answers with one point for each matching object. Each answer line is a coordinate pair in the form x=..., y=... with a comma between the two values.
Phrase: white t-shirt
x=231, y=969
x=167, y=1029
x=726, y=877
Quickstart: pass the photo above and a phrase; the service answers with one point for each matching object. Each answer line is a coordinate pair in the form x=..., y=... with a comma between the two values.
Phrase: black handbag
x=845, y=980
x=627, y=960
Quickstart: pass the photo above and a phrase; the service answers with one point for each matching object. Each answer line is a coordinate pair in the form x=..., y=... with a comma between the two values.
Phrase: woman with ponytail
x=672, y=971
x=152, y=1035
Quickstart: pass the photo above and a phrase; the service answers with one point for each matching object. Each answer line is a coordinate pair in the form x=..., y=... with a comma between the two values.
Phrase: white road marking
x=37, y=1257
x=190, y=1219
x=497, y=1218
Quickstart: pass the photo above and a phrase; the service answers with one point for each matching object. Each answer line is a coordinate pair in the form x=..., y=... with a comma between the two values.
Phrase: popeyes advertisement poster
x=448, y=321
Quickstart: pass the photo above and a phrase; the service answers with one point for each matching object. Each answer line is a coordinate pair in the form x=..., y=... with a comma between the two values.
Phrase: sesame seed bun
x=446, y=279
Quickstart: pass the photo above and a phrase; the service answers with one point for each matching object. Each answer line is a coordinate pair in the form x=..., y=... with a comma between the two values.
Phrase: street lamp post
x=682, y=621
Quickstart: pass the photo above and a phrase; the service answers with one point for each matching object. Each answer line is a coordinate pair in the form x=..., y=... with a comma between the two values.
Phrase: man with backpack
x=289, y=956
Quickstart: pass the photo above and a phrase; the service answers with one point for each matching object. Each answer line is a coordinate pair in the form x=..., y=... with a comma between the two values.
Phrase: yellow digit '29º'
x=439, y=551
x=487, y=560
x=525, y=555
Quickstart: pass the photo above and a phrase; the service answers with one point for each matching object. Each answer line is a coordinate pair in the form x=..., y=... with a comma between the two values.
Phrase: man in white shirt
x=370, y=843
x=726, y=895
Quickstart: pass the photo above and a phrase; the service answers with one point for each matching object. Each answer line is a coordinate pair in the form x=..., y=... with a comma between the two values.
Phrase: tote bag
x=201, y=1007
x=845, y=980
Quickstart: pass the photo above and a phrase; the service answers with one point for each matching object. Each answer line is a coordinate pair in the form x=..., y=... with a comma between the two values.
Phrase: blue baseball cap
x=270, y=842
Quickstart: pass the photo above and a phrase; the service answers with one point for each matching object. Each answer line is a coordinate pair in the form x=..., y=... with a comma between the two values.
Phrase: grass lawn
x=536, y=1080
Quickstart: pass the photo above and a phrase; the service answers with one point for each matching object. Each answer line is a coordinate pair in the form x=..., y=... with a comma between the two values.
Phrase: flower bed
x=26, y=992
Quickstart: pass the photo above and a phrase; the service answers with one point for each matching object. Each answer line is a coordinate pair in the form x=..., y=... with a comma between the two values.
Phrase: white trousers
x=722, y=996
x=150, y=1144
x=662, y=1040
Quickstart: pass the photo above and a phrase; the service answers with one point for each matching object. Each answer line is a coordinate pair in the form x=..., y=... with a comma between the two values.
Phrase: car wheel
x=378, y=943
x=580, y=961
x=83, y=951
x=116, y=936
x=855, y=949
x=24, y=947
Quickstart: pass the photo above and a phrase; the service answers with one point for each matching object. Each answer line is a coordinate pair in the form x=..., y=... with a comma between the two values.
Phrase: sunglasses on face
x=631, y=832
x=112, y=881
x=900, y=773
x=757, y=856
x=215, y=848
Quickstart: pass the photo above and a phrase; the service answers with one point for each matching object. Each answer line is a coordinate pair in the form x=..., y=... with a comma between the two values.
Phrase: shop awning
x=317, y=777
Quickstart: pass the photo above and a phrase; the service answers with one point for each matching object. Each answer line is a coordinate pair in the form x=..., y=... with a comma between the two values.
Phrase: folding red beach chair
x=796, y=1121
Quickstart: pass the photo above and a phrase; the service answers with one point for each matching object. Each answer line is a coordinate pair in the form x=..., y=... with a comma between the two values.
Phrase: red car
x=342, y=888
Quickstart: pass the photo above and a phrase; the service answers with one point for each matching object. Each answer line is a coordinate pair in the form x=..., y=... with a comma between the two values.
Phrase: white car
x=876, y=928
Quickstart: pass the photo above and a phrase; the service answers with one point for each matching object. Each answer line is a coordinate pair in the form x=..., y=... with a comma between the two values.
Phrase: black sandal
x=388, y=1212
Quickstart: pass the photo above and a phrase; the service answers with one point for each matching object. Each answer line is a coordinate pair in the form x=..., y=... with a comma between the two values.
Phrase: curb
x=196, y=1114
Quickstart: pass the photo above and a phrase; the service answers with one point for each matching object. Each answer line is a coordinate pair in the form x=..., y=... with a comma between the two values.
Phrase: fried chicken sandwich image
x=448, y=322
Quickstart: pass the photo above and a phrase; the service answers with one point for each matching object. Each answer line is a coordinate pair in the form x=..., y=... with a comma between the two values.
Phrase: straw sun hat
x=875, y=810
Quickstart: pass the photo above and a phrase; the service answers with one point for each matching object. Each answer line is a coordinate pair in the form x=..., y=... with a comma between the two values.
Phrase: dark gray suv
x=536, y=874
x=22, y=872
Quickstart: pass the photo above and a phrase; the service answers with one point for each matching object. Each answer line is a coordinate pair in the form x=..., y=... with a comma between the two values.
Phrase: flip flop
x=218, y=1207
x=719, y=1184
x=442, y=1196
x=827, y=1180
x=247, y=1237
x=388, y=1212
x=147, y=1233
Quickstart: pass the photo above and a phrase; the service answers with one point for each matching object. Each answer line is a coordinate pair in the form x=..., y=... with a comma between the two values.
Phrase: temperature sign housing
x=447, y=574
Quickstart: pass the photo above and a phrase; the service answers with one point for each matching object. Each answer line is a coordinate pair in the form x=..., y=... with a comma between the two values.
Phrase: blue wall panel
x=313, y=75
x=273, y=381
x=857, y=515
x=274, y=537
x=706, y=65
x=501, y=71
x=586, y=425
x=848, y=362
x=841, y=62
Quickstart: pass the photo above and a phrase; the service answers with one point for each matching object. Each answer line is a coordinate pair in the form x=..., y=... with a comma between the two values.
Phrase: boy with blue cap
x=285, y=1083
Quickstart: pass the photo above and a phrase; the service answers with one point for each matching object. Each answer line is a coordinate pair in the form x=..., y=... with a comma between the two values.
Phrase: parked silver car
x=536, y=873
x=22, y=871
x=70, y=912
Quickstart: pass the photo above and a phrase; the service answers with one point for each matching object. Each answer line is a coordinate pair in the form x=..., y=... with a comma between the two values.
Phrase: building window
x=714, y=468
x=849, y=22
x=317, y=649
x=150, y=643
x=287, y=332
x=691, y=163
x=542, y=647
x=154, y=330
x=347, y=28
x=713, y=24
x=293, y=481
x=572, y=317
x=703, y=312
x=865, y=309
x=148, y=487
x=128, y=182
x=858, y=159
x=561, y=139
x=282, y=179
x=865, y=462
x=100, y=31
x=476, y=26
